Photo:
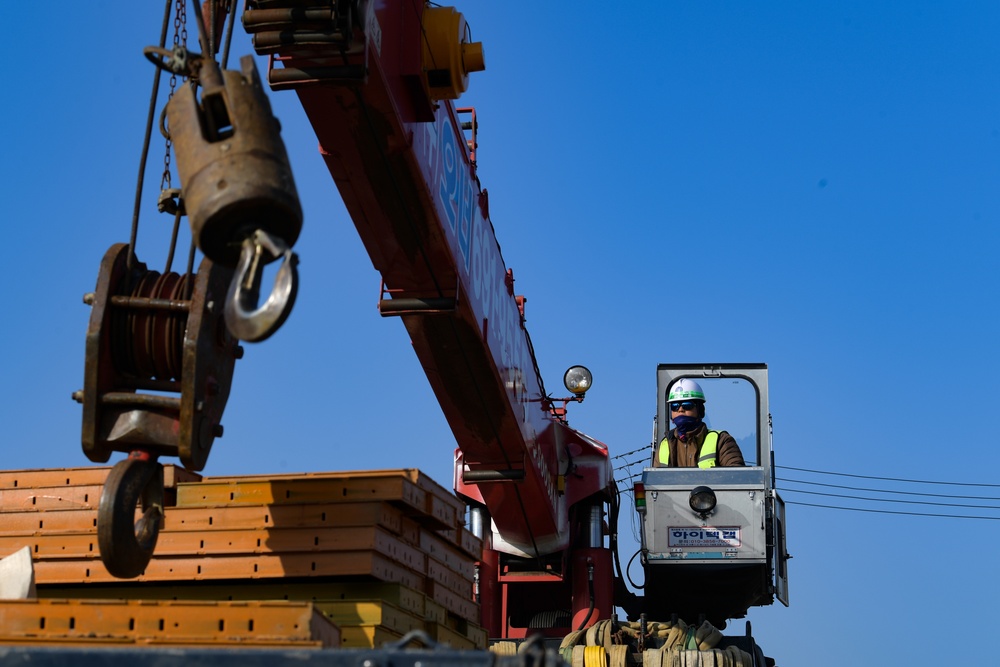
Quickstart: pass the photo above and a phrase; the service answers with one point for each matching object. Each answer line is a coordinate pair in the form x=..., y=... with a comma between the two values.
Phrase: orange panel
x=70, y=545
x=299, y=490
x=172, y=621
x=289, y=540
x=442, y=504
x=102, y=642
x=469, y=543
x=461, y=605
x=231, y=542
x=318, y=590
x=56, y=521
x=464, y=540
x=447, y=553
x=410, y=530
x=90, y=476
x=442, y=574
x=438, y=503
x=50, y=498
x=213, y=518
x=339, y=564
x=283, y=516
x=444, y=511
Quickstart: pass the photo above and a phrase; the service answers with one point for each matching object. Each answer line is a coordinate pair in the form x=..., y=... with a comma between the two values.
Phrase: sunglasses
x=686, y=405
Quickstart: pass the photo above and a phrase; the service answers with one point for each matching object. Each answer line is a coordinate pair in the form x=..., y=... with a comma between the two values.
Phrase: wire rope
x=888, y=479
x=878, y=511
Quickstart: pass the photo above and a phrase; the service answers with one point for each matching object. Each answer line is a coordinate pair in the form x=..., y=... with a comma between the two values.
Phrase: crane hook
x=244, y=319
x=126, y=545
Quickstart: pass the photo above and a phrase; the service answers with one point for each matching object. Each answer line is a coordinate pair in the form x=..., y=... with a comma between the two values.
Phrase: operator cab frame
x=734, y=392
x=713, y=540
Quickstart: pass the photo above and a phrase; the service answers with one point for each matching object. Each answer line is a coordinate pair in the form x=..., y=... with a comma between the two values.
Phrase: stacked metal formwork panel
x=378, y=553
x=271, y=624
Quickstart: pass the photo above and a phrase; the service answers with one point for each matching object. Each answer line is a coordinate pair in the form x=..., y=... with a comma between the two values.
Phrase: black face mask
x=686, y=424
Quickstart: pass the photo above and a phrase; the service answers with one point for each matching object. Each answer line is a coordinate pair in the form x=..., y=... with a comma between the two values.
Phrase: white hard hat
x=686, y=389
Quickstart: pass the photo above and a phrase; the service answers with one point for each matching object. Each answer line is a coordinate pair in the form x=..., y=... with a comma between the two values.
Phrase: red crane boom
x=395, y=146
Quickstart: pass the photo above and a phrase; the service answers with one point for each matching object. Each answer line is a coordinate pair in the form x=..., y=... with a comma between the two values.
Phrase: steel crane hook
x=244, y=319
x=126, y=545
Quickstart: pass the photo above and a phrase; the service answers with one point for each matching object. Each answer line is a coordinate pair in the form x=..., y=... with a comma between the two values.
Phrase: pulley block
x=234, y=170
x=159, y=361
x=159, y=364
x=237, y=188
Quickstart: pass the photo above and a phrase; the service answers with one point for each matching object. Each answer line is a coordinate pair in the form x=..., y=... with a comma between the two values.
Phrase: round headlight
x=702, y=499
x=578, y=380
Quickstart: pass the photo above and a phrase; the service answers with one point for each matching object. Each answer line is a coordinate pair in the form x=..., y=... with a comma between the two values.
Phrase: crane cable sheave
x=238, y=190
x=449, y=55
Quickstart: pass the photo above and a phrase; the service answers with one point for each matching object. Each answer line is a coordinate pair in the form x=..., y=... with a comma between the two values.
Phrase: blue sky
x=812, y=185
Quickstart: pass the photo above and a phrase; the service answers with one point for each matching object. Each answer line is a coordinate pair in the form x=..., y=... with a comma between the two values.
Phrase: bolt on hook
x=244, y=319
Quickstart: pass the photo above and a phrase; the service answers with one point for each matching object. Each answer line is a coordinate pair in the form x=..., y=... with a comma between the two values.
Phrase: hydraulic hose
x=590, y=592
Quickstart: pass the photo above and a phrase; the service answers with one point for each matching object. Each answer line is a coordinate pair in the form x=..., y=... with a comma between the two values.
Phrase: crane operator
x=690, y=443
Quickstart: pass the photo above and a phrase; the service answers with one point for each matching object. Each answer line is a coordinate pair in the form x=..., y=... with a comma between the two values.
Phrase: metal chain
x=180, y=39
x=165, y=179
x=182, y=21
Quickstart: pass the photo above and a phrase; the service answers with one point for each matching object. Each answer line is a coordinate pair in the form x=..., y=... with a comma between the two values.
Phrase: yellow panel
x=367, y=636
x=445, y=635
x=350, y=613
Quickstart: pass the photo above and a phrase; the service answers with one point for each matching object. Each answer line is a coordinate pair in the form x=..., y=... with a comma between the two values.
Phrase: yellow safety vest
x=706, y=457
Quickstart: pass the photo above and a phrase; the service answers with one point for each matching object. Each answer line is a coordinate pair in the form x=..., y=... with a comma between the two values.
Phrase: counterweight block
x=232, y=163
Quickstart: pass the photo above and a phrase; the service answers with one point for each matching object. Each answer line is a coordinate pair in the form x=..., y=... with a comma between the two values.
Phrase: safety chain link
x=180, y=39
